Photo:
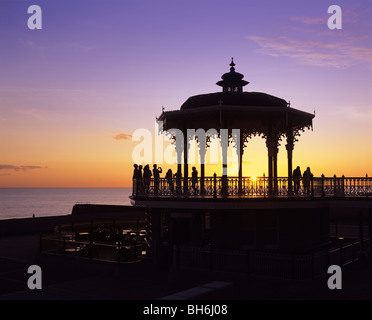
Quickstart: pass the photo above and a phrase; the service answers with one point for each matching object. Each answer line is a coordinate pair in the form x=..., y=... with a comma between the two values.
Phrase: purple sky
x=101, y=68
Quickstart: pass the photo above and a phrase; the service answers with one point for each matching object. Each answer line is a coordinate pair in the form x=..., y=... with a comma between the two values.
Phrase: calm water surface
x=24, y=202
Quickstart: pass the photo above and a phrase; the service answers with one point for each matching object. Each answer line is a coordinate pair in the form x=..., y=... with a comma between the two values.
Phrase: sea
x=42, y=202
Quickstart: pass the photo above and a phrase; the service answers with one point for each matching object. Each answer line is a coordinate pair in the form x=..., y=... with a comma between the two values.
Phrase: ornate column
x=179, y=150
x=238, y=139
x=272, y=140
x=275, y=165
x=202, y=152
x=289, y=146
x=186, y=146
x=224, y=139
x=240, y=154
x=271, y=153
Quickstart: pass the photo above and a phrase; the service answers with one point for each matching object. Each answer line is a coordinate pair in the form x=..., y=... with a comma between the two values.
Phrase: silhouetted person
x=306, y=180
x=169, y=177
x=135, y=178
x=178, y=176
x=194, y=178
x=135, y=171
x=156, y=172
x=296, y=179
x=140, y=182
x=146, y=178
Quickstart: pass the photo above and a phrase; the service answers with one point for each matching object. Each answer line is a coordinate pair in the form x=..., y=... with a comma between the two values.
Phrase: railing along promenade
x=300, y=266
x=252, y=187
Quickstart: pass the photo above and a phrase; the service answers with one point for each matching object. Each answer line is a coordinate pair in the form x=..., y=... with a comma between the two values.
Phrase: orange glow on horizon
x=114, y=166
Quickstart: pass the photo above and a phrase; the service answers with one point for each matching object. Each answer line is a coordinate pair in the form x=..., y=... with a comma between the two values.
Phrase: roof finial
x=232, y=64
x=232, y=81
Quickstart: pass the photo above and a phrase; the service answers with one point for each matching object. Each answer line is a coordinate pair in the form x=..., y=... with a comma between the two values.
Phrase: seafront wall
x=31, y=225
x=101, y=211
x=80, y=212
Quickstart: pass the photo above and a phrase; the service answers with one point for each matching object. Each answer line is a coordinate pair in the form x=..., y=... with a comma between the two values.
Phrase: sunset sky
x=73, y=93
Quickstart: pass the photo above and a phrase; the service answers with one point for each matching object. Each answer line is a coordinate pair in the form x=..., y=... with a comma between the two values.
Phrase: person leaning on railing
x=194, y=179
x=135, y=177
x=156, y=172
x=306, y=179
x=146, y=178
x=296, y=179
x=139, y=180
x=178, y=176
x=169, y=177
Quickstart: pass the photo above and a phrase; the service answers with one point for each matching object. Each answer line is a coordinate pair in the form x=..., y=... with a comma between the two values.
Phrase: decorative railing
x=252, y=187
x=87, y=248
x=303, y=266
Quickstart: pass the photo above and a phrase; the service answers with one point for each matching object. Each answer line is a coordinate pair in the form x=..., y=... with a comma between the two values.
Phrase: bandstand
x=237, y=115
x=235, y=212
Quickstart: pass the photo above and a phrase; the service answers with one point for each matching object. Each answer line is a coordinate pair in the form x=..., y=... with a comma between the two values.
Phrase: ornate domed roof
x=257, y=99
x=232, y=94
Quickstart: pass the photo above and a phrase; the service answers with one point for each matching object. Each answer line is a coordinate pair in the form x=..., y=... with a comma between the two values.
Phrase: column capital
x=289, y=146
x=272, y=148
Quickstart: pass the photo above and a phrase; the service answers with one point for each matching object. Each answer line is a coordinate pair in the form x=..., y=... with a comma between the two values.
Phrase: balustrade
x=251, y=187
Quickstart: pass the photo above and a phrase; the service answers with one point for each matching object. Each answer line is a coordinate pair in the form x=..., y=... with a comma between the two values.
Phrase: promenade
x=70, y=278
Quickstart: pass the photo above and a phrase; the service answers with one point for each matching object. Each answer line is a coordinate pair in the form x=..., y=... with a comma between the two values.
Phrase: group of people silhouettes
x=170, y=177
x=305, y=177
x=143, y=179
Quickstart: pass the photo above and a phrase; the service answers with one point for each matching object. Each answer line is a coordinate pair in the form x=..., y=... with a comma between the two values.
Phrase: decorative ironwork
x=297, y=132
x=253, y=187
